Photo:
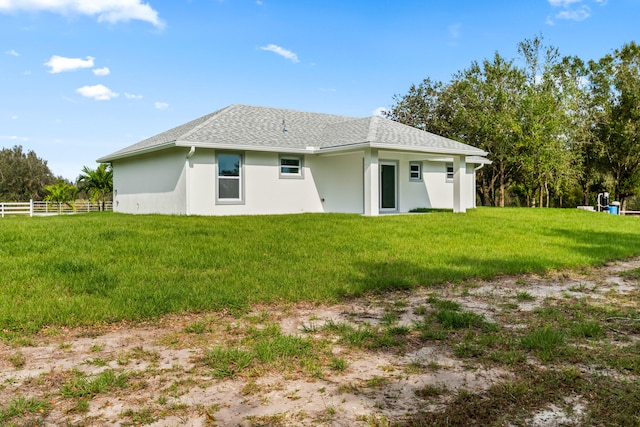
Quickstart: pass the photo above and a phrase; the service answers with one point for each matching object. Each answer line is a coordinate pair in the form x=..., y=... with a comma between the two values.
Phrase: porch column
x=459, y=184
x=371, y=182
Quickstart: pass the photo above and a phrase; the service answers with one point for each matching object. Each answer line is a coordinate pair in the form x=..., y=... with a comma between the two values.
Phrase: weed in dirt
x=453, y=319
x=338, y=364
x=273, y=420
x=180, y=387
x=468, y=350
x=430, y=331
x=546, y=341
x=377, y=382
x=441, y=304
x=227, y=363
x=525, y=296
x=199, y=327
x=368, y=336
x=83, y=385
x=431, y=391
x=390, y=318
x=17, y=359
x=631, y=274
x=96, y=348
x=97, y=361
x=140, y=417
x=22, y=407
x=420, y=311
x=586, y=329
x=251, y=388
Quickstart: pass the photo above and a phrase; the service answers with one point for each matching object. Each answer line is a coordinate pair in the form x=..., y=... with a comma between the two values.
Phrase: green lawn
x=102, y=267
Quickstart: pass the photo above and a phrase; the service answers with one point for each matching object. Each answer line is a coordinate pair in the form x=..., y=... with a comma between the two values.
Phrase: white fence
x=37, y=208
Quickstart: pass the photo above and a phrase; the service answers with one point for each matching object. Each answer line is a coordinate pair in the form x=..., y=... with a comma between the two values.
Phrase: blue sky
x=80, y=79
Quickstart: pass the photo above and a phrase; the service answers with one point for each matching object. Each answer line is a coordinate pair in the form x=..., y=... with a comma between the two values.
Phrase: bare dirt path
x=161, y=373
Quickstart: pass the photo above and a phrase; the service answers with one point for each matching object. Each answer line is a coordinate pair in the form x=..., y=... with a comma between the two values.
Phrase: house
x=256, y=160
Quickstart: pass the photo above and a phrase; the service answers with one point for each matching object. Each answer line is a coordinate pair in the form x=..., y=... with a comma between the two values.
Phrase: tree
x=61, y=192
x=544, y=154
x=616, y=86
x=486, y=98
x=98, y=183
x=23, y=176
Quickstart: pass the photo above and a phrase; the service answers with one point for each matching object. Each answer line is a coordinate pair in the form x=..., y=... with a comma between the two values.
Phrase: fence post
x=30, y=207
x=2, y=209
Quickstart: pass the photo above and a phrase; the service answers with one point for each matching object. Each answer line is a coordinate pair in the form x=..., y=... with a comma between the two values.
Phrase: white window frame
x=230, y=201
x=448, y=168
x=291, y=175
x=415, y=176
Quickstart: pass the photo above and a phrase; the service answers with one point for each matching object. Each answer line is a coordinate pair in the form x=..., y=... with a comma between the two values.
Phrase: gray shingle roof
x=262, y=128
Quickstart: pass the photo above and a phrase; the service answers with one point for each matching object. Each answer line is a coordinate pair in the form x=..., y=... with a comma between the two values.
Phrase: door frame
x=393, y=163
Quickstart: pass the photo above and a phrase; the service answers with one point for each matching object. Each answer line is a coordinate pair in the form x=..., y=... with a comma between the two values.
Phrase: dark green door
x=388, y=190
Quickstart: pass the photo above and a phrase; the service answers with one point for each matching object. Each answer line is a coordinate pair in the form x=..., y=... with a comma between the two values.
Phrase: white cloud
x=572, y=10
x=575, y=15
x=161, y=105
x=12, y=52
x=59, y=64
x=285, y=53
x=14, y=117
x=97, y=92
x=132, y=96
x=14, y=138
x=102, y=71
x=112, y=11
x=563, y=3
x=379, y=112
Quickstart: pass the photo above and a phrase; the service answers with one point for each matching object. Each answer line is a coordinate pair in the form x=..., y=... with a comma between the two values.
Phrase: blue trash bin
x=614, y=210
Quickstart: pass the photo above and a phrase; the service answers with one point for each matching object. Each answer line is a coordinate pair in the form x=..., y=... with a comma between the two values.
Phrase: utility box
x=614, y=208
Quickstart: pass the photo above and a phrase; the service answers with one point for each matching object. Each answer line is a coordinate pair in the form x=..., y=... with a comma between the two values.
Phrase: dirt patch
x=167, y=379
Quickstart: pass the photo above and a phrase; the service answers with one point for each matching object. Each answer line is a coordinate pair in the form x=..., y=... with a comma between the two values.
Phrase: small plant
x=20, y=407
x=140, y=417
x=97, y=362
x=443, y=304
x=196, y=328
x=338, y=364
x=546, y=341
x=586, y=330
x=524, y=296
x=17, y=360
x=81, y=385
x=459, y=319
x=431, y=390
x=227, y=363
x=96, y=348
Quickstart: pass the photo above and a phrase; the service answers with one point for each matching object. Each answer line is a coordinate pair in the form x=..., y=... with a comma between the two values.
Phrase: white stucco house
x=244, y=160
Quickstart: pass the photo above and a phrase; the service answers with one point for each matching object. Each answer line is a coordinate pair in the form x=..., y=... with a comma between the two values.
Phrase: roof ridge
x=204, y=122
x=373, y=129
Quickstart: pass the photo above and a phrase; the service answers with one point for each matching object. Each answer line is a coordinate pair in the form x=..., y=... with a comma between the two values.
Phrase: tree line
x=25, y=176
x=558, y=129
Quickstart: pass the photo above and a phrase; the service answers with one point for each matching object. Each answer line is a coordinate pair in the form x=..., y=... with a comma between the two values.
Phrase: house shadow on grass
x=379, y=277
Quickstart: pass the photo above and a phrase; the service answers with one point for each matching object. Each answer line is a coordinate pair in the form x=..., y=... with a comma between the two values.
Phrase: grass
x=104, y=267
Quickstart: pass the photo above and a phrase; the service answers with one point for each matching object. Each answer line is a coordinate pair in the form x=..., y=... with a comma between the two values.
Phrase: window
x=291, y=167
x=449, y=171
x=229, y=176
x=415, y=171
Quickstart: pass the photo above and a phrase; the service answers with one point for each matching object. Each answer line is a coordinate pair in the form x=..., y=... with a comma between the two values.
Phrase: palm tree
x=61, y=192
x=98, y=183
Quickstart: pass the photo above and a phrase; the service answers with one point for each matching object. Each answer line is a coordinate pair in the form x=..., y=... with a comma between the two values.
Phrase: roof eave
x=114, y=156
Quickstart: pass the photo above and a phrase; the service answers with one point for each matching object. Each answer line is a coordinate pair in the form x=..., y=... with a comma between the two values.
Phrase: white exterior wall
x=440, y=189
x=340, y=181
x=151, y=183
x=168, y=182
x=266, y=193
